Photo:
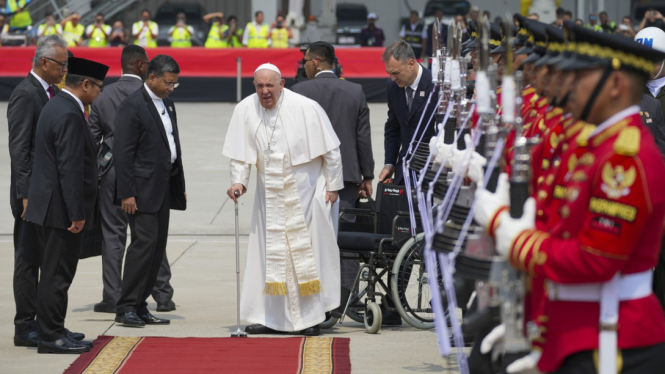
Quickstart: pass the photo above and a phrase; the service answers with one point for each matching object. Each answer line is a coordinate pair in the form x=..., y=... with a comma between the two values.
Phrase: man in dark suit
x=149, y=182
x=407, y=78
x=23, y=110
x=134, y=62
x=62, y=197
x=344, y=103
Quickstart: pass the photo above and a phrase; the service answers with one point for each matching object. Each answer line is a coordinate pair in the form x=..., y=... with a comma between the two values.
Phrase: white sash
x=286, y=231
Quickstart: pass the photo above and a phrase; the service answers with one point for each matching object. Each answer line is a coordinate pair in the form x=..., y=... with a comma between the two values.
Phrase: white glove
x=488, y=202
x=493, y=340
x=525, y=364
x=475, y=170
x=510, y=227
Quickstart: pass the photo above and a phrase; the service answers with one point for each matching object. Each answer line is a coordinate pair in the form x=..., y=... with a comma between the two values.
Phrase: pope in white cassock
x=292, y=270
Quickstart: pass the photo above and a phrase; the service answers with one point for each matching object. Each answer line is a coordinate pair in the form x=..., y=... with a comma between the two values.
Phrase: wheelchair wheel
x=329, y=322
x=409, y=284
x=373, y=318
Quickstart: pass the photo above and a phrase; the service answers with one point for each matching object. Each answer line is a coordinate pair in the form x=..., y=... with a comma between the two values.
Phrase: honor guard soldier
x=598, y=248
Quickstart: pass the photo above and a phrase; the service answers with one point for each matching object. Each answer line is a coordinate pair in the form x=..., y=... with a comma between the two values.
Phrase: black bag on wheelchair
x=393, y=211
x=363, y=214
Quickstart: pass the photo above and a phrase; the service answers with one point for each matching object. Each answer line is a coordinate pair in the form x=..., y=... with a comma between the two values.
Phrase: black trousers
x=61, y=257
x=114, y=241
x=144, y=257
x=647, y=360
x=348, y=267
x=27, y=259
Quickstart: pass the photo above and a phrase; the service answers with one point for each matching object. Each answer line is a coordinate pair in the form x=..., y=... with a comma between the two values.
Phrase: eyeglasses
x=63, y=65
x=101, y=86
x=170, y=84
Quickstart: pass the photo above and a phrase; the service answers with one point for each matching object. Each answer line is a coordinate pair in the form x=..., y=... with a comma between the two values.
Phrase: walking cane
x=238, y=333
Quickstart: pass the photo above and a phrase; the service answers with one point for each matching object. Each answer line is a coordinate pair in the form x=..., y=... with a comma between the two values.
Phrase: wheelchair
x=391, y=265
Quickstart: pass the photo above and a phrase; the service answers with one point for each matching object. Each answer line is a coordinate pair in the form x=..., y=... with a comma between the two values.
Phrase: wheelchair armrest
x=355, y=211
x=403, y=213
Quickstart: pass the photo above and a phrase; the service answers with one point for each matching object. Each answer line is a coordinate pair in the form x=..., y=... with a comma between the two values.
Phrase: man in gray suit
x=134, y=61
x=344, y=103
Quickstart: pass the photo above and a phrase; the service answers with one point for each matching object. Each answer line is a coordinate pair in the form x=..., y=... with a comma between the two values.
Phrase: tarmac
x=201, y=251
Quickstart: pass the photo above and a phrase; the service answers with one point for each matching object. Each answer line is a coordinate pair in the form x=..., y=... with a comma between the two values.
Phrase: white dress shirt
x=133, y=76
x=43, y=82
x=75, y=98
x=166, y=121
x=656, y=85
x=324, y=71
x=415, y=83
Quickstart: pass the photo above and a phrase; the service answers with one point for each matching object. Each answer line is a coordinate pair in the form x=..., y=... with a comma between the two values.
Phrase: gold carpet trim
x=317, y=356
x=110, y=359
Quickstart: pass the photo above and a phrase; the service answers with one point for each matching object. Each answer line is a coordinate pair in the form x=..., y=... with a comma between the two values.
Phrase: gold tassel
x=275, y=288
x=310, y=288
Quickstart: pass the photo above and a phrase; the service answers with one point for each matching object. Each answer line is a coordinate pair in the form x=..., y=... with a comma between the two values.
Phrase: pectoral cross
x=267, y=154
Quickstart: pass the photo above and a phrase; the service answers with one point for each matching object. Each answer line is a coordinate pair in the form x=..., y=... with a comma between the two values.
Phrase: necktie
x=85, y=114
x=51, y=92
x=409, y=96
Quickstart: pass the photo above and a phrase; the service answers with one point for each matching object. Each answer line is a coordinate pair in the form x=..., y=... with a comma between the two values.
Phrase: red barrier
x=204, y=62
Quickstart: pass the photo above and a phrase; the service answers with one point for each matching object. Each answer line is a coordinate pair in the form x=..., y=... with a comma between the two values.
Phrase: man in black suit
x=134, y=62
x=23, y=110
x=407, y=78
x=344, y=103
x=149, y=182
x=62, y=197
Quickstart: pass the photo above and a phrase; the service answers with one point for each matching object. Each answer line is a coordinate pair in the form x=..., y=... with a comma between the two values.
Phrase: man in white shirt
x=150, y=182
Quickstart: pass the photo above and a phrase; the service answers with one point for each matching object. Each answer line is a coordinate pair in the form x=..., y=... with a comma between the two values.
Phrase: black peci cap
x=86, y=68
x=593, y=49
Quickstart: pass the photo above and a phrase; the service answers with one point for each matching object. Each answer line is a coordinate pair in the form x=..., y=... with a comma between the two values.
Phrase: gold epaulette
x=528, y=91
x=628, y=142
x=583, y=137
x=542, y=102
x=534, y=98
x=552, y=113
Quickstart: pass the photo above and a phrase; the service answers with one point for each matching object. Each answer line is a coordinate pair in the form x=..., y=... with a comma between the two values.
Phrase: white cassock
x=292, y=274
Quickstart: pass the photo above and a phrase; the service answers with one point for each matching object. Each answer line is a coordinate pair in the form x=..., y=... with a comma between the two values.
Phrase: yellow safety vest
x=236, y=41
x=20, y=19
x=258, y=38
x=181, y=38
x=4, y=29
x=98, y=39
x=280, y=38
x=151, y=43
x=73, y=34
x=51, y=30
x=214, y=40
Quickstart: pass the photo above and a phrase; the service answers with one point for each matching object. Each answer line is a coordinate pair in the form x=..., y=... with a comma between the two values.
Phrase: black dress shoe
x=105, y=307
x=29, y=339
x=74, y=335
x=62, y=345
x=166, y=306
x=260, y=329
x=85, y=343
x=150, y=319
x=312, y=331
x=129, y=319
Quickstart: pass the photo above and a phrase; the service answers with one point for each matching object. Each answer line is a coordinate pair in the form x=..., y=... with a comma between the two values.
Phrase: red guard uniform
x=609, y=222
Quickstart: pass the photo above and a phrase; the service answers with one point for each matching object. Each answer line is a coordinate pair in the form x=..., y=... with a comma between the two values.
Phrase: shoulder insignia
x=572, y=162
x=610, y=132
x=541, y=125
x=534, y=98
x=553, y=113
x=554, y=140
x=527, y=91
x=583, y=136
x=628, y=142
x=617, y=180
x=542, y=102
x=587, y=159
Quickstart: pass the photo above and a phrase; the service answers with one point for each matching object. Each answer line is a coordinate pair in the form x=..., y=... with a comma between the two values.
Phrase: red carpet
x=214, y=355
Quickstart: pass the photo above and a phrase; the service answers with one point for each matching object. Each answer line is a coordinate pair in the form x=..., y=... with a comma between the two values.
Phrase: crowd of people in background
x=224, y=32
